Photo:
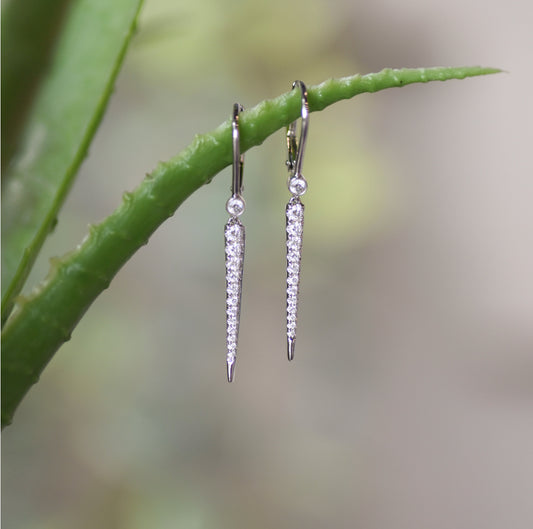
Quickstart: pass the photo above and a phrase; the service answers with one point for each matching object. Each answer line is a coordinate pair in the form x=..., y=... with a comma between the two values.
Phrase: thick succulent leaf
x=59, y=128
x=29, y=33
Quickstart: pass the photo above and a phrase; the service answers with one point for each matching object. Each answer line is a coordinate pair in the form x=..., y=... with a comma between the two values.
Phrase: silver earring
x=234, y=249
x=295, y=216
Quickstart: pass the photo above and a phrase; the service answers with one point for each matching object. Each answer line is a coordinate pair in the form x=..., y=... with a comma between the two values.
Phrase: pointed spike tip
x=231, y=371
x=290, y=348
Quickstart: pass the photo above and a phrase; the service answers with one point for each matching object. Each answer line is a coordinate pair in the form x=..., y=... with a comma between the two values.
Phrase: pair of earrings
x=234, y=232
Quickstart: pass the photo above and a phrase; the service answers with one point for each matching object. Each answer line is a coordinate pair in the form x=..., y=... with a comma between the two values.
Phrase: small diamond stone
x=293, y=266
x=230, y=358
x=235, y=206
x=298, y=186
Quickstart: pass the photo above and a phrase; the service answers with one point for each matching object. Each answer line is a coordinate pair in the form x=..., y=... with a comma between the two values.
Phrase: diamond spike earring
x=295, y=216
x=234, y=249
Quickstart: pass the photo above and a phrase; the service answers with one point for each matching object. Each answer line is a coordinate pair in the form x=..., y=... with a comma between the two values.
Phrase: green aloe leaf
x=43, y=322
x=59, y=128
x=29, y=32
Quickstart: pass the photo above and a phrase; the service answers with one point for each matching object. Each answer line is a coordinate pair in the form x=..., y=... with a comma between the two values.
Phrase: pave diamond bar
x=234, y=248
x=295, y=225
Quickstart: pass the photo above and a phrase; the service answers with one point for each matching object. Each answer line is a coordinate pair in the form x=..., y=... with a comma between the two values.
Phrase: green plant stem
x=44, y=321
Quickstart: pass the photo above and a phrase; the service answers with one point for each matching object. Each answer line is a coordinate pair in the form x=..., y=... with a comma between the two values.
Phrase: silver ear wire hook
x=238, y=158
x=235, y=205
x=296, y=148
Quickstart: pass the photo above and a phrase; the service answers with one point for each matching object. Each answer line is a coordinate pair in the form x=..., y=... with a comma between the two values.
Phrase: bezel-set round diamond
x=235, y=205
x=298, y=185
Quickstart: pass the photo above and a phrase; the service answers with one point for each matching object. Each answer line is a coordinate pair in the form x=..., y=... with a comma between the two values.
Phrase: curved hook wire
x=238, y=158
x=296, y=148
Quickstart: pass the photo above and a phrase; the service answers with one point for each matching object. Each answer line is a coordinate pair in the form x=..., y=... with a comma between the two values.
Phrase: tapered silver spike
x=295, y=223
x=234, y=249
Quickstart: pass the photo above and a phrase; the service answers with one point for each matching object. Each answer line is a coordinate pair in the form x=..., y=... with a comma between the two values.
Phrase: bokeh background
x=409, y=402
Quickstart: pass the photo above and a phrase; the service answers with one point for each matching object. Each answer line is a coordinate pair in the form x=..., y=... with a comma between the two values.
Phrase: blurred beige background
x=409, y=403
